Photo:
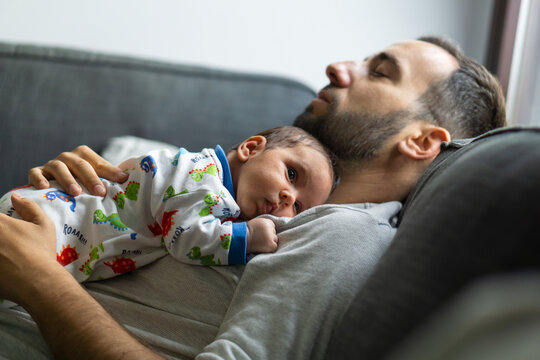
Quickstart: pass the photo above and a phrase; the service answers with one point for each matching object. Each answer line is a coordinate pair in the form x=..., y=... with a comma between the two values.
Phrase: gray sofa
x=55, y=99
x=52, y=100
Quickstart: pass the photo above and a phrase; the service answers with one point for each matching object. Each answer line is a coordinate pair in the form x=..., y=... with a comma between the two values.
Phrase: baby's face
x=283, y=182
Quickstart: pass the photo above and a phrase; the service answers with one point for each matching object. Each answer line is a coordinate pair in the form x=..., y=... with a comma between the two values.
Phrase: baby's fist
x=261, y=236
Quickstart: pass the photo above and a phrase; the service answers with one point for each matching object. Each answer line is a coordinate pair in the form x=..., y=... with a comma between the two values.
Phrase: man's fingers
x=58, y=170
x=82, y=163
x=88, y=166
x=83, y=170
x=102, y=167
x=29, y=210
x=37, y=178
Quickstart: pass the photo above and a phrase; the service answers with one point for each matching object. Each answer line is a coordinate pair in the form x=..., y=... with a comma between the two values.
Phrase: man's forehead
x=414, y=46
x=416, y=53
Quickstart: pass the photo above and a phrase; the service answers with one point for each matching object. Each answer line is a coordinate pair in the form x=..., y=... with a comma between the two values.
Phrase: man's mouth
x=324, y=96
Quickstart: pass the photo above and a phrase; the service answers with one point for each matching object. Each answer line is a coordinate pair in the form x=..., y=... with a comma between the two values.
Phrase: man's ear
x=251, y=146
x=424, y=142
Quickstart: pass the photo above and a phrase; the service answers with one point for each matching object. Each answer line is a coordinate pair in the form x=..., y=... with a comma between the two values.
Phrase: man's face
x=374, y=94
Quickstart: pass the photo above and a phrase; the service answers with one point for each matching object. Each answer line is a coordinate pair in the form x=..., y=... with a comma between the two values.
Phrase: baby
x=201, y=208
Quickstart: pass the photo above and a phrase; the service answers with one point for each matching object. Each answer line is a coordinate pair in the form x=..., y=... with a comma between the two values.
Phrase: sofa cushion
x=55, y=99
x=473, y=217
x=120, y=148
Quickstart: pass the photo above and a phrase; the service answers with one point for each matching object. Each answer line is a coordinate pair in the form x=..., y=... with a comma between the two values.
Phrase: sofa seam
x=157, y=67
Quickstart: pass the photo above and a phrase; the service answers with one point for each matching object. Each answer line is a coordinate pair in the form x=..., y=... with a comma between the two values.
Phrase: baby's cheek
x=246, y=209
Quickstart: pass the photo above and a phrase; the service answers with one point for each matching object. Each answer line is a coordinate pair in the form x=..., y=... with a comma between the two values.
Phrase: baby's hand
x=261, y=236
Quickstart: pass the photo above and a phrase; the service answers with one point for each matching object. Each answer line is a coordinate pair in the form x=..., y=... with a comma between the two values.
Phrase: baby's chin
x=244, y=216
x=247, y=212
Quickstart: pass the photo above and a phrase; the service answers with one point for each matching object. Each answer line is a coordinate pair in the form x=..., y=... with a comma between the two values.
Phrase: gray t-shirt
x=278, y=306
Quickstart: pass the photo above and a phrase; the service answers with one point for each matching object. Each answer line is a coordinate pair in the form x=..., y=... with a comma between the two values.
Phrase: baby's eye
x=291, y=173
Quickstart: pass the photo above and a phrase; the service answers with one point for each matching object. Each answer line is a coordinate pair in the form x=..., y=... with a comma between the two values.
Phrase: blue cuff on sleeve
x=237, y=251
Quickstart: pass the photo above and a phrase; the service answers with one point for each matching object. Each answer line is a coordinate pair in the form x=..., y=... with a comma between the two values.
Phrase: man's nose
x=341, y=74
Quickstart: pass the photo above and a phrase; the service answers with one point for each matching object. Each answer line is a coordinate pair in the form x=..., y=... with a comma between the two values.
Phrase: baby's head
x=281, y=171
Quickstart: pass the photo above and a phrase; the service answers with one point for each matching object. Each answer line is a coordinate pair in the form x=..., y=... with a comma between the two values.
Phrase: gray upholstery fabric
x=55, y=99
x=476, y=215
x=495, y=318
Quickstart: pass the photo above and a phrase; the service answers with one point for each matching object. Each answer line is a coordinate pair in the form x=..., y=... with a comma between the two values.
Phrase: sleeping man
x=377, y=115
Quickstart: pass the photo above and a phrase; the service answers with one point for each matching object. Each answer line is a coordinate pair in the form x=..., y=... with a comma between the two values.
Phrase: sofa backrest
x=53, y=99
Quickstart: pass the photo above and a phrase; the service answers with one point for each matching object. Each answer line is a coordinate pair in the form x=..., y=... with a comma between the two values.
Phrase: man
x=381, y=115
x=387, y=100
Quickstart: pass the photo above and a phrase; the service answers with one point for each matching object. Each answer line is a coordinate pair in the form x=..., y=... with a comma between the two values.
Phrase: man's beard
x=352, y=136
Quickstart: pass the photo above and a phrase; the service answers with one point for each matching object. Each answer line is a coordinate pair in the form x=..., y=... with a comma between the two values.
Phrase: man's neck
x=376, y=183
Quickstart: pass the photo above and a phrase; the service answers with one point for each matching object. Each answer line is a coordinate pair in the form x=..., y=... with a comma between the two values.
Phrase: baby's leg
x=92, y=242
x=114, y=247
x=114, y=264
x=69, y=214
x=43, y=198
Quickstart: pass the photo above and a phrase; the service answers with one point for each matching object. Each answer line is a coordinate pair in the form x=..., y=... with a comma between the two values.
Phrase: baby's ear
x=250, y=147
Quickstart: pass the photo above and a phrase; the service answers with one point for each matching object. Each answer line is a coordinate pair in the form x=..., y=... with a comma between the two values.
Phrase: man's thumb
x=27, y=209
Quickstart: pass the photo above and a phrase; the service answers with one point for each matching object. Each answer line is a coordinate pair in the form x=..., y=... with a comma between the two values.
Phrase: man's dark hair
x=467, y=103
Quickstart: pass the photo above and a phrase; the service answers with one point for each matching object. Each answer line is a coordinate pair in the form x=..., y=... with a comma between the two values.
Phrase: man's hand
x=27, y=249
x=82, y=163
x=71, y=321
x=261, y=236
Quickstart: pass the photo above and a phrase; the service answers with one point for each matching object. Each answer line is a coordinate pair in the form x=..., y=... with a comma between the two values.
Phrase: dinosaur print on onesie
x=173, y=203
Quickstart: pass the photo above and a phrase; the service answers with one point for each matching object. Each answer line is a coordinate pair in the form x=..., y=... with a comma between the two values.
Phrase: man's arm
x=71, y=321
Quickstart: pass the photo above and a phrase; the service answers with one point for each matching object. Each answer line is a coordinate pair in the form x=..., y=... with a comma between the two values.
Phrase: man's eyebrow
x=384, y=56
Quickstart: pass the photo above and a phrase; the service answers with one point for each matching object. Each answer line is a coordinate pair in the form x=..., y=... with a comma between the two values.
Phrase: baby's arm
x=193, y=234
x=261, y=236
x=189, y=212
x=194, y=210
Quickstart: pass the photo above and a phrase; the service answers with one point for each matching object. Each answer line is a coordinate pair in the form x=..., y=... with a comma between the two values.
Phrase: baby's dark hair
x=291, y=136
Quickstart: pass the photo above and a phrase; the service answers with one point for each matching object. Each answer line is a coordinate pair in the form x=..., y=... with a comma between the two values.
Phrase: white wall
x=523, y=97
x=297, y=38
